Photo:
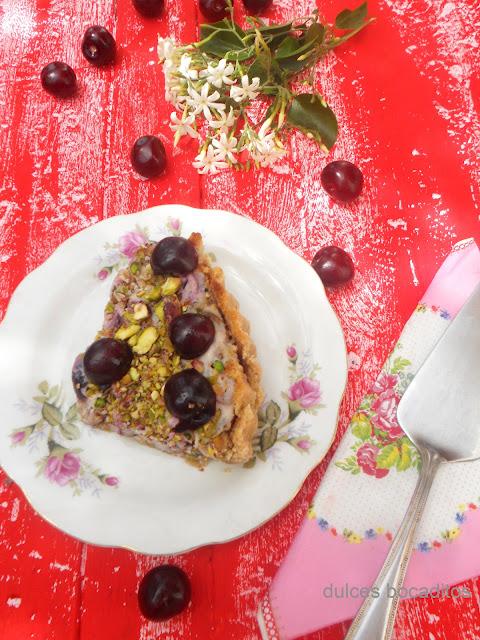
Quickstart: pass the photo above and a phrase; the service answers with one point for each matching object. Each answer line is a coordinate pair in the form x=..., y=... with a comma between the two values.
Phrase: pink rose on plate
x=384, y=382
x=62, y=469
x=385, y=416
x=102, y=274
x=292, y=353
x=112, y=481
x=306, y=392
x=129, y=243
x=304, y=444
x=367, y=460
x=18, y=437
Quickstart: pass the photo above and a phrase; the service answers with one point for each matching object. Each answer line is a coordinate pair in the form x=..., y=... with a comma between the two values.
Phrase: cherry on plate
x=107, y=360
x=192, y=334
x=148, y=156
x=174, y=256
x=149, y=8
x=190, y=397
x=213, y=10
x=98, y=46
x=334, y=266
x=164, y=592
x=257, y=6
x=59, y=79
x=342, y=180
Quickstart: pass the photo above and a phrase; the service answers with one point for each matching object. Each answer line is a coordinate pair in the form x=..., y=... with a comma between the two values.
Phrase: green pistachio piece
x=146, y=340
x=134, y=375
x=134, y=268
x=140, y=311
x=154, y=294
x=100, y=403
x=159, y=312
x=133, y=340
x=127, y=332
x=171, y=286
x=218, y=366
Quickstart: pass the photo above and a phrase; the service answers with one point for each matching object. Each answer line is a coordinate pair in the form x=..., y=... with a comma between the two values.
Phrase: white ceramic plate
x=108, y=490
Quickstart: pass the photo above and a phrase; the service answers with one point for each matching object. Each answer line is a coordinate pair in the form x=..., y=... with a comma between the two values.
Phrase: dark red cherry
x=164, y=592
x=107, y=360
x=190, y=397
x=98, y=46
x=59, y=79
x=149, y=8
x=213, y=10
x=174, y=256
x=334, y=266
x=256, y=6
x=192, y=334
x=148, y=156
x=342, y=180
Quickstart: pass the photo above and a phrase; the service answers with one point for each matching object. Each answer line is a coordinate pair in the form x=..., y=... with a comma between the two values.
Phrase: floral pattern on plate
x=303, y=398
x=56, y=428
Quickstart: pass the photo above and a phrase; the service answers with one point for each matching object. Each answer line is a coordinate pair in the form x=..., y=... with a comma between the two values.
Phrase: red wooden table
x=406, y=92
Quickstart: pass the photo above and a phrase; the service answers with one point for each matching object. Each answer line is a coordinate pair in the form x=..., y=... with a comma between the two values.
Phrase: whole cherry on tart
x=59, y=79
x=190, y=397
x=107, y=360
x=342, y=180
x=174, y=256
x=334, y=266
x=257, y=6
x=164, y=592
x=149, y=8
x=98, y=46
x=214, y=10
x=191, y=334
x=148, y=156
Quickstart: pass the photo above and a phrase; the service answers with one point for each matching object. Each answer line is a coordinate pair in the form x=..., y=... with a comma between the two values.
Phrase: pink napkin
x=362, y=499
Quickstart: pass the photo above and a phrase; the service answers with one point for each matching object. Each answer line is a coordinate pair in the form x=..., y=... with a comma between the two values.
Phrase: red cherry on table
x=149, y=8
x=213, y=10
x=98, y=46
x=256, y=6
x=148, y=156
x=59, y=79
x=342, y=180
x=334, y=266
x=164, y=592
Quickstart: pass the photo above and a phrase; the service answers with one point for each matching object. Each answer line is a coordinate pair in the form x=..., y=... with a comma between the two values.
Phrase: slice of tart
x=174, y=365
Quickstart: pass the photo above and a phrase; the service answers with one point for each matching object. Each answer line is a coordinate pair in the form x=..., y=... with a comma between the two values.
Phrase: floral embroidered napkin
x=365, y=492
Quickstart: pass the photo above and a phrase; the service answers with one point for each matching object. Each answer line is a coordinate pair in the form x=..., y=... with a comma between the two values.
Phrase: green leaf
x=69, y=430
x=53, y=392
x=40, y=399
x=361, y=426
x=404, y=462
x=72, y=413
x=294, y=409
x=52, y=414
x=351, y=18
x=388, y=457
x=315, y=33
x=273, y=412
x=349, y=464
x=310, y=114
x=399, y=364
x=268, y=438
x=219, y=38
x=43, y=387
x=260, y=68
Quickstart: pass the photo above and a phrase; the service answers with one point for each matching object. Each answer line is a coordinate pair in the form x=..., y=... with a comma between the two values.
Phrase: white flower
x=219, y=74
x=265, y=148
x=224, y=122
x=204, y=102
x=247, y=91
x=165, y=48
x=184, y=68
x=208, y=161
x=183, y=127
x=225, y=147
